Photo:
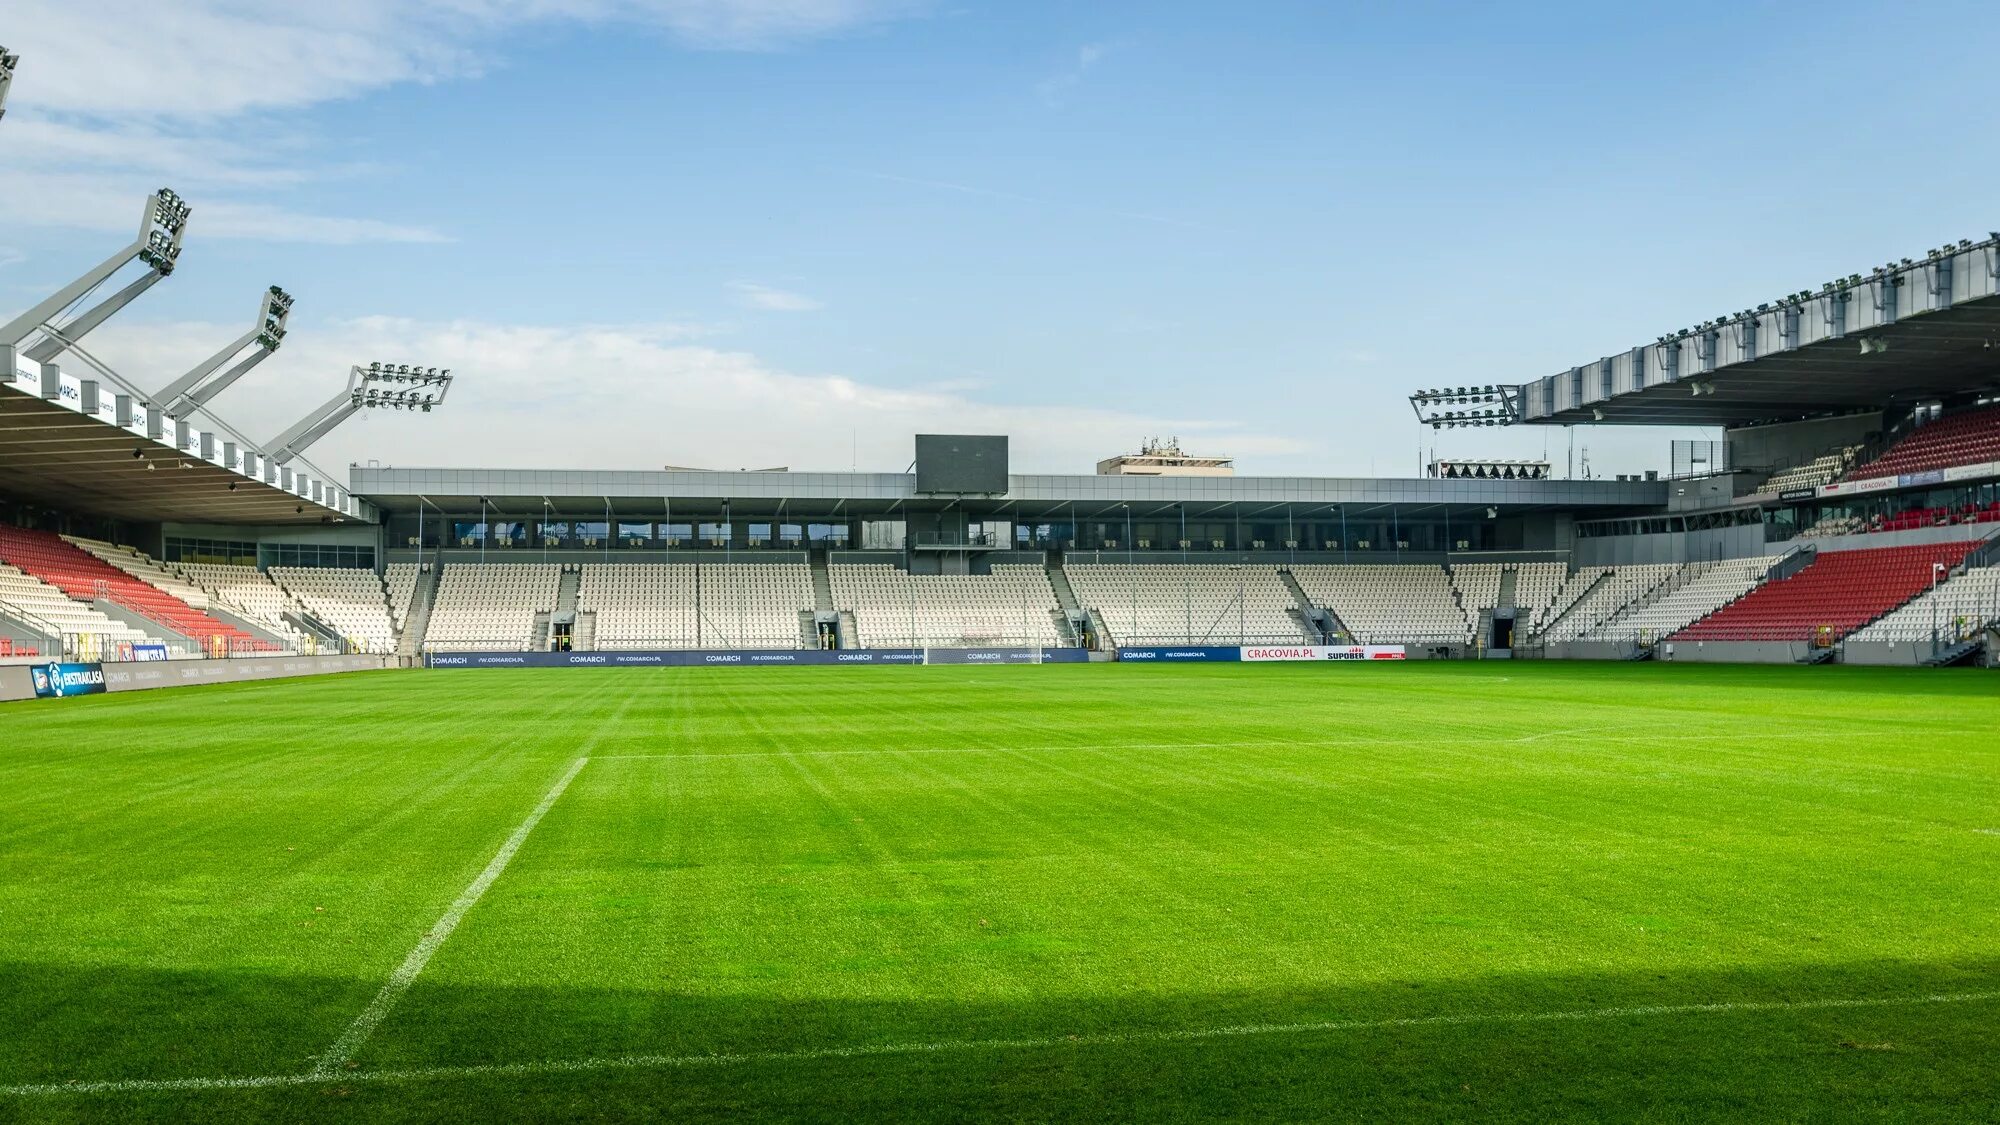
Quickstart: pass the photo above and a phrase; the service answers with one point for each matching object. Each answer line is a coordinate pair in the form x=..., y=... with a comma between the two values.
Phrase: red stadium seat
x=84, y=577
x=1834, y=595
x=1970, y=438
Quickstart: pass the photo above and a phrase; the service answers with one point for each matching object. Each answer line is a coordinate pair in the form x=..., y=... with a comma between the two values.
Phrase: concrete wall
x=1736, y=652
x=1704, y=493
x=1790, y=443
x=1884, y=652
x=1674, y=547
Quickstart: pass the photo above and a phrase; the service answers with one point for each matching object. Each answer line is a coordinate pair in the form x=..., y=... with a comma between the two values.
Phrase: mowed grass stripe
x=954, y=1046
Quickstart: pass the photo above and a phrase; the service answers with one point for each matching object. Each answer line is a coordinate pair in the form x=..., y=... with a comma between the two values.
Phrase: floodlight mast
x=190, y=392
x=161, y=230
x=1500, y=405
x=425, y=388
x=7, y=64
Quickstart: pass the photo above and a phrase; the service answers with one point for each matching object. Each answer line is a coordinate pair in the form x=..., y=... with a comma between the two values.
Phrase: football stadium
x=953, y=792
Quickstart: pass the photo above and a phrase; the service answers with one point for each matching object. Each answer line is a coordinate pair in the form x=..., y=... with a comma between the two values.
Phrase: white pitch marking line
x=399, y=982
x=687, y=1062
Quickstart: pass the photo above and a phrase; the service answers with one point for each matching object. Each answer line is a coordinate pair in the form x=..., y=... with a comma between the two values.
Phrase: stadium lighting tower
x=1498, y=405
x=189, y=391
x=8, y=61
x=379, y=386
x=158, y=247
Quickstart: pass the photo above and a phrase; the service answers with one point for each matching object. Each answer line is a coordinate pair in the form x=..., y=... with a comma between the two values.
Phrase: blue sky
x=755, y=232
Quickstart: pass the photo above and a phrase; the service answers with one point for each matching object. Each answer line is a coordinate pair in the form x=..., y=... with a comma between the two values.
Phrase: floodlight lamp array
x=377, y=399
x=277, y=310
x=405, y=373
x=1495, y=407
x=166, y=223
x=8, y=61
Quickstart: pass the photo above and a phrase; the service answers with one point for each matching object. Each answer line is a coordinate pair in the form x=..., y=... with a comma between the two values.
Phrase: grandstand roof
x=585, y=493
x=52, y=454
x=1920, y=330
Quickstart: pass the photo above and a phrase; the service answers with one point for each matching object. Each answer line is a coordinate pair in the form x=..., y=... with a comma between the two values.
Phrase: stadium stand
x=41, y=602
x=689, y=605
x=1478, y=587
x=1835, y=594
x=1190, y=604
x=1697, y=591
x=1812, y=474
x=754, y=605
x=641, y=605
x=354, y=602
x=1388, y=604
x=401, y=581
x=1536, y=588
x=85, y=577
x=1573, y=588
x=1613, y=590
x=1968, y=438
x=1829, y=526
x=247, y=591
x=1960, y=604
x=140, y=566
x=490, y=605
x=1014, y=605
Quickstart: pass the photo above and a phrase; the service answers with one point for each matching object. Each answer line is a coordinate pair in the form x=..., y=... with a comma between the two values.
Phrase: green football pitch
x=1432, y=891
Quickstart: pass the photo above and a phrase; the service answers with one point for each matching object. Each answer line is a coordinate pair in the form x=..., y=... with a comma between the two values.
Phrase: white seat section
x=1535, y=588
x=1387, y=603
x=246, y=591
x=1818, y=471
x=1194, y=603
x=1961, y=602
x=1568, y=594
x=1618, y=588
x=753, y=605
x=401, y=580
x=642, y=605
x=1701, y=589
x=45, y=603
x=1014, y=605
x=354, y=602
x=490, y=605
x=1478, y=586
x=688, y=605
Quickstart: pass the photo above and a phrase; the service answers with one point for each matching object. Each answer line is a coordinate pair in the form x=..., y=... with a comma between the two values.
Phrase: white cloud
x=113, y=93
x=771, y=299
x=218, y=58
x=1055, y=87
x=629, y=397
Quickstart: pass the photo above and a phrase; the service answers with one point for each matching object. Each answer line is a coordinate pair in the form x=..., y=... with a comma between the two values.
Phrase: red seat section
x=84, y=577
x=1937, y=517
x=1970, y=438
x=1840, y=590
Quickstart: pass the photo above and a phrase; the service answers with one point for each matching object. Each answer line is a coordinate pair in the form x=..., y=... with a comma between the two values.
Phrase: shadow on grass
x=1903, y=1062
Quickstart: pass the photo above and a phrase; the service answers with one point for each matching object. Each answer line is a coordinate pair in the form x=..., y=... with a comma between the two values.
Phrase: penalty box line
x=399, y=982
x=559, y=1067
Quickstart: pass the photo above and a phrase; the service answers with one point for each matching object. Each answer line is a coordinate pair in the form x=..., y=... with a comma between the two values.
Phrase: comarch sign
x=55, y=681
